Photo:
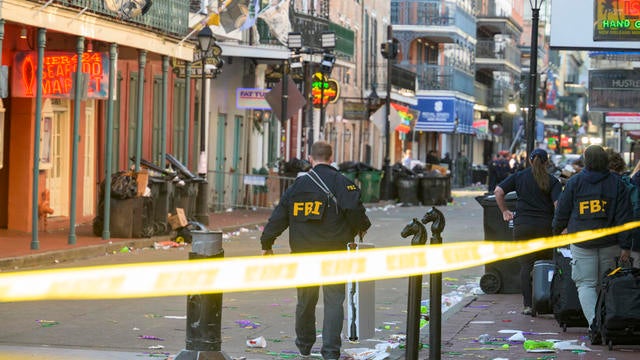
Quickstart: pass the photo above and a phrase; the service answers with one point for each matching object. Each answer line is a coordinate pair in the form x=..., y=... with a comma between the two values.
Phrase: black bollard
x=414, y=295
x=204, y=311
x=436, y=218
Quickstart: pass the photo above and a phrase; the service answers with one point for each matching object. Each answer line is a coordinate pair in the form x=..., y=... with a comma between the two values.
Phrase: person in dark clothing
x=461, y=169
x=432, y=157
x=635, y=240
x=498, y=170
x=537, y=192
x=594, y=199
x=323, y=212
x=446, y=160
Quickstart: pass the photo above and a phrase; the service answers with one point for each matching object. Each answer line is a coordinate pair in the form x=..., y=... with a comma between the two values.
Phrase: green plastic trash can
x=370, y=185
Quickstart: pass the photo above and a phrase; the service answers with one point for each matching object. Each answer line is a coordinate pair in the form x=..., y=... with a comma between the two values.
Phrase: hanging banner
x=58, y=74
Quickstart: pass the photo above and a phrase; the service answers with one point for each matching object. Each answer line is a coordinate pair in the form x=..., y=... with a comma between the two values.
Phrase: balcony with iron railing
x=481, y=93
x=441, y=77
x=494, y=54
x=499, y=98
x=312, y=26
x=409, y=14
x=492, y=19
x=167, y=17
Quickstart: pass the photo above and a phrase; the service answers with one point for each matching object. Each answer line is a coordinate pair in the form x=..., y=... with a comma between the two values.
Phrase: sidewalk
x=496, y=314
x=16, y=252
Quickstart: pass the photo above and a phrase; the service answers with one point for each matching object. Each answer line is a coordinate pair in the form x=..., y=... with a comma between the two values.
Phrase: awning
x=445, y=114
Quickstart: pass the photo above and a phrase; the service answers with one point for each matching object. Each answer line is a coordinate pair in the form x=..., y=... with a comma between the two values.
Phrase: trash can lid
x=490, y=200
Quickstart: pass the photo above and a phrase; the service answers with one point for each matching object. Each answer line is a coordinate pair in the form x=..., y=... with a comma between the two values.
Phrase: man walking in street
x=323, y=212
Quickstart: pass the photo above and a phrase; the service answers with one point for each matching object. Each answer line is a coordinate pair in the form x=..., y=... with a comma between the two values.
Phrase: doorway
x=58, y=174
x=88, y=180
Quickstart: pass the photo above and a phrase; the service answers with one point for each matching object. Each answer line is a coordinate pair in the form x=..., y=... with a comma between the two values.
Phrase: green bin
x=370, y=185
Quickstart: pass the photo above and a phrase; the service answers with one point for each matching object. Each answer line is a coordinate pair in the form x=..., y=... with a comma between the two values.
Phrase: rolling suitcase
x=617, y=320
x=564, y=294
x=360, y=303
x=541, y=277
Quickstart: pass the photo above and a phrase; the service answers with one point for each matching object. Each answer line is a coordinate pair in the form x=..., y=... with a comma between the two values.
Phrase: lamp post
x=204, y=311
x=533, y=74
x=372, y=104
x=389, y=52
x=326, y=66
x=205, y=40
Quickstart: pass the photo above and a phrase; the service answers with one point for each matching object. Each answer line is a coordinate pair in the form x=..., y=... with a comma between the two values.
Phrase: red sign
x=58, y=74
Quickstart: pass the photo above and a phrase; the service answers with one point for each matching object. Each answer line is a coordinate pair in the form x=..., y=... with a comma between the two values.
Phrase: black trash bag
x=365, y=167
x=401, y=171
x=418, y=169
x=348, y=166
x=124, y=185
x=292, y=167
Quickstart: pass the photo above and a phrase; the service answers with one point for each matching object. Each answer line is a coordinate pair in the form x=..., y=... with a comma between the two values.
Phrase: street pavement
x=155, y=327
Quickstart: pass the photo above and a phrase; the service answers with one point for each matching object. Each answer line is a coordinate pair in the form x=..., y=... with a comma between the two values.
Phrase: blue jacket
x=594, y=200
x=315, y=222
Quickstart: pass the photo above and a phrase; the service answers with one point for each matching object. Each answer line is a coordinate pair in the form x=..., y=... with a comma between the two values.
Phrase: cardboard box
x=142, y=178
x=178, y=220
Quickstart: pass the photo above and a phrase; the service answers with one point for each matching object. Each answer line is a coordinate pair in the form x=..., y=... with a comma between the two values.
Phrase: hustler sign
x=58, y=74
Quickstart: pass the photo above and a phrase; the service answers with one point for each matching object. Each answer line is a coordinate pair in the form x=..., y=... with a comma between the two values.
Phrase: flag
x=252, y=17
x=277, y=19
x=405, y=117
x=377, y=118
x=233, y=14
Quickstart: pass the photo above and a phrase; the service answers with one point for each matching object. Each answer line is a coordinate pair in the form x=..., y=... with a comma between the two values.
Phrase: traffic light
x=389, y=50
x=327, y=63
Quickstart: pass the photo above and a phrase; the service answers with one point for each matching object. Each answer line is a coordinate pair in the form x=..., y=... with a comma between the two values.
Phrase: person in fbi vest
x=594, y=199
x=323, y=212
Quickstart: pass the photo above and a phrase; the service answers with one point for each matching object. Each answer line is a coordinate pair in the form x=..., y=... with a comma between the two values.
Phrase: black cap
x=542, y=154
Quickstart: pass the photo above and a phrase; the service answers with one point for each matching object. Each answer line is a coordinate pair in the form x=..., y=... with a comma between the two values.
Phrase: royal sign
x=58, y=73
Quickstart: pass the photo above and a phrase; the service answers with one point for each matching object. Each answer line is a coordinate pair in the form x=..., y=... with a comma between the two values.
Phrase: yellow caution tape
x=270, y=272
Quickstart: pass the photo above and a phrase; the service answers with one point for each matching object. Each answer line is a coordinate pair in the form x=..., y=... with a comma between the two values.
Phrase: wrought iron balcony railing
x=441, y=77
x=498, y=50
x=167, y=17
x=432, y=13
x=311, y=26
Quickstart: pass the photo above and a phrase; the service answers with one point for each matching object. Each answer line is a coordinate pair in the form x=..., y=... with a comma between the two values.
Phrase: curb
x=87, y=252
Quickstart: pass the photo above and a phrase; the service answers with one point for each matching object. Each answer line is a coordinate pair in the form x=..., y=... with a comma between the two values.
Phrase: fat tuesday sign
x=251, y=98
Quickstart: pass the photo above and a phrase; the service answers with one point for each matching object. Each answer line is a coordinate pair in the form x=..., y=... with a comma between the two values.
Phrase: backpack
x=634, y=195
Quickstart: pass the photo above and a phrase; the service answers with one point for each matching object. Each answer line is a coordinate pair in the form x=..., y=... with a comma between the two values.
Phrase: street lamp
x=533, y=74
x=205, y=40
x=328, y=43
x=389, y=51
